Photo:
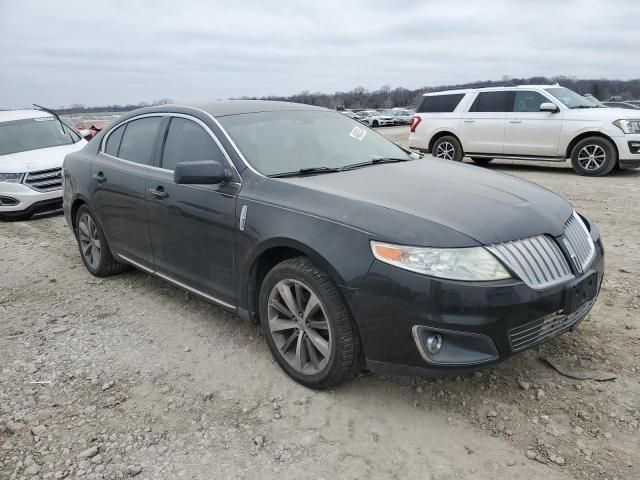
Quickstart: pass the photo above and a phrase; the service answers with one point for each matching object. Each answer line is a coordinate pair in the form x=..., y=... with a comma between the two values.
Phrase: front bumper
x=628, y=150
x=20, y=199
x=481, y=323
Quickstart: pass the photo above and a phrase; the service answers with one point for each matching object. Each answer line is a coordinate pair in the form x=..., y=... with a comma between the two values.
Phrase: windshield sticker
x=358, y=133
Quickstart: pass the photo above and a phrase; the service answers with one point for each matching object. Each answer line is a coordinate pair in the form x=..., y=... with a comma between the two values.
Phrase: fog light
x=434, y=343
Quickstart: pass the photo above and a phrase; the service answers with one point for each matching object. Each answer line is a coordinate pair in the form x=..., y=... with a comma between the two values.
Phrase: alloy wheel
x=592, y=157
x=299, y=326
x=89, y=240
x=446, y=151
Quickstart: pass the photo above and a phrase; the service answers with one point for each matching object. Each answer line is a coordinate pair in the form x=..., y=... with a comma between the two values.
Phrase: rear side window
x=188, y=142
x=493, y=102
x=139, y=139
x=528, y=101
x=440, y=103
x=113, y=142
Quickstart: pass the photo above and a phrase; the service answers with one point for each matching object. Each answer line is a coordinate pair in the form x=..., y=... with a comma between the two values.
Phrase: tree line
x=386, y=97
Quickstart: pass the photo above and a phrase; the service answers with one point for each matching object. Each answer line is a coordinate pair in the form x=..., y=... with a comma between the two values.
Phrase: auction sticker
x=358, y=133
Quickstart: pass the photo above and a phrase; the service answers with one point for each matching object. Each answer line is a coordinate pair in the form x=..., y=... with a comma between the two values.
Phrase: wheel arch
x=269, y=254
x=593, y=133
x=75, y=206
x=438, y=135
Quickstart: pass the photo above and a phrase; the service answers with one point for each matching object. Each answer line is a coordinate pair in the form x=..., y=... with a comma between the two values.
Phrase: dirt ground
x=132, y=377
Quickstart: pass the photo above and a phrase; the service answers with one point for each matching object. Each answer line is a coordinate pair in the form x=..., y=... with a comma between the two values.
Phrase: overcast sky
x=114, y=51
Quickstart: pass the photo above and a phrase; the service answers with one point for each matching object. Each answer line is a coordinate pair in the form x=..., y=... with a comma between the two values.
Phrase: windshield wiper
x=306, y=171
x=62, y=125
x=584, y=106
x=374, y=161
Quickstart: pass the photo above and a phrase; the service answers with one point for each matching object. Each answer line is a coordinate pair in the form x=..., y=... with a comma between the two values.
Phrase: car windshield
x=34, y=133
x=570, y=98
x=288, y=141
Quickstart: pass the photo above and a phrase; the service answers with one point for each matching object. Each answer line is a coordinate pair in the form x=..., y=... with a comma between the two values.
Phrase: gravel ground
x=131, y=377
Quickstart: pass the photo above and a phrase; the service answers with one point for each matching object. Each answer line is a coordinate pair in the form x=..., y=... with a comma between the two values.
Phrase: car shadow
x=559, y=169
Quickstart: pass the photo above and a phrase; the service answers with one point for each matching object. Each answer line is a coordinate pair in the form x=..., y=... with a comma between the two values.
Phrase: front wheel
x=448, y=148
x=307, y=325
x=594, y=157
x=375, y=123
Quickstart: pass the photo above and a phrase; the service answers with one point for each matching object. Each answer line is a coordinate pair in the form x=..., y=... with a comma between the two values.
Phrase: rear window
x=139, y=139
x=440, y=103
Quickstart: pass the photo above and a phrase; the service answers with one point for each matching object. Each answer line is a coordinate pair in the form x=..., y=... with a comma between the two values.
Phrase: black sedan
x=348, y=250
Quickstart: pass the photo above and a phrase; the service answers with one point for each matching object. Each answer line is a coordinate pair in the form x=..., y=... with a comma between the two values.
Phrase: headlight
x=475, y=264
x=11, y=177
x=628, y=126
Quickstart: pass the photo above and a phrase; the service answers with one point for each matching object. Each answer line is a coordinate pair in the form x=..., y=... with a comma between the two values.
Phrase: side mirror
x=548, y=107
x=208, y=172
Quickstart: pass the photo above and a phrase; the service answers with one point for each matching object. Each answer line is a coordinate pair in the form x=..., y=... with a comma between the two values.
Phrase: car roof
x=485, y=89
x=222, y=108
x=11, y=115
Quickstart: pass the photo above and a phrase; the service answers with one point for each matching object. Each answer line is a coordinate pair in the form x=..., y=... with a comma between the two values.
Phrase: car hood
x=40, y=159
x=485, y=206
x=602, y=114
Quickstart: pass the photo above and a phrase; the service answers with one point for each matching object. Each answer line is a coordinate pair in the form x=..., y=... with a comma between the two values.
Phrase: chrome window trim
x=176, y=282
x=233, y=144
x=170, y=114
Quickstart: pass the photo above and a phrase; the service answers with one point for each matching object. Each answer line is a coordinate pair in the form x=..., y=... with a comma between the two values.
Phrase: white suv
x=33, y=145
x=527, y=122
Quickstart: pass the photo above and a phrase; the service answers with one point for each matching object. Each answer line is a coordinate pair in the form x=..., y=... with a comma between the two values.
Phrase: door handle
x=515, y=121
x=158, y=192
x=99, y=177
x=469, y=121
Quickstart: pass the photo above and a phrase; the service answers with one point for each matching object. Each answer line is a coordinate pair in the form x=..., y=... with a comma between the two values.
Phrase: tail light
x=415, y=121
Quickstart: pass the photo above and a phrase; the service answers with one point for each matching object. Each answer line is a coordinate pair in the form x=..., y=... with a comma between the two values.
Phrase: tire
x=594, y=157
x=375, y=123
x=93, y=246
x=448, y=148
x=292, y=338
x=481, y=160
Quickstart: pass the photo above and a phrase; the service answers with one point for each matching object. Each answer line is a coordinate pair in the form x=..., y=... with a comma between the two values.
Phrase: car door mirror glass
x=206, y=172
x=548, y=107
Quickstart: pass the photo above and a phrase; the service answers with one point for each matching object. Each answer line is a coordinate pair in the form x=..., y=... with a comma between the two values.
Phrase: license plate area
x=580, y=292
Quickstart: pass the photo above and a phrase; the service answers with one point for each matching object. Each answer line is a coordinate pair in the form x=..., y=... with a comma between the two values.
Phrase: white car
x=527, y=122
x=374, y=118
x=400, y=116
x=33, y=145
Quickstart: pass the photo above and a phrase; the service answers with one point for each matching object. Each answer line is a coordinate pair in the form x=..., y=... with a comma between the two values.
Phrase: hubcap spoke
x=299, y=327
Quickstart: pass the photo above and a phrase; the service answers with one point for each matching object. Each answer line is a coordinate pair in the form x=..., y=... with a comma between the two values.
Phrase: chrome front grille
x=577, y=235
x=537, y=331
x=44, y=180
x=537, y=261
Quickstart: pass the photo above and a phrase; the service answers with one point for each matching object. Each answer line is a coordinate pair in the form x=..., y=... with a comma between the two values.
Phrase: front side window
x=188, y=142
x=139, y=139
x=34, y=133
x=570, y=98
x=440, y=103
x=493, y=102
x=528, y=101
x=287, y=141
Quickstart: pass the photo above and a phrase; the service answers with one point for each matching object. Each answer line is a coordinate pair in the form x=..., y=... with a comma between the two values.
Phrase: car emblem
x=572, y=255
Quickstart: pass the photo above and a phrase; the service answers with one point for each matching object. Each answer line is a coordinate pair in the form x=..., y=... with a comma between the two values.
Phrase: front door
x=119, y=187
x=530, y=131
x=192, y=227
x=482, y=127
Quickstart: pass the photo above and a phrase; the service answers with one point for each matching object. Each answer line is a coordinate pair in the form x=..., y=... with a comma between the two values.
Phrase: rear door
x=192, y=227
x=119, y=194
x=482, y=128
x=530, y=131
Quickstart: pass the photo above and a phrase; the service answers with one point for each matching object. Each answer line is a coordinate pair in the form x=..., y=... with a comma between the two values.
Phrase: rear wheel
x=448, y=148
x=594, y=157
x=93, y=246
x=481, y=160
x=307, y=325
